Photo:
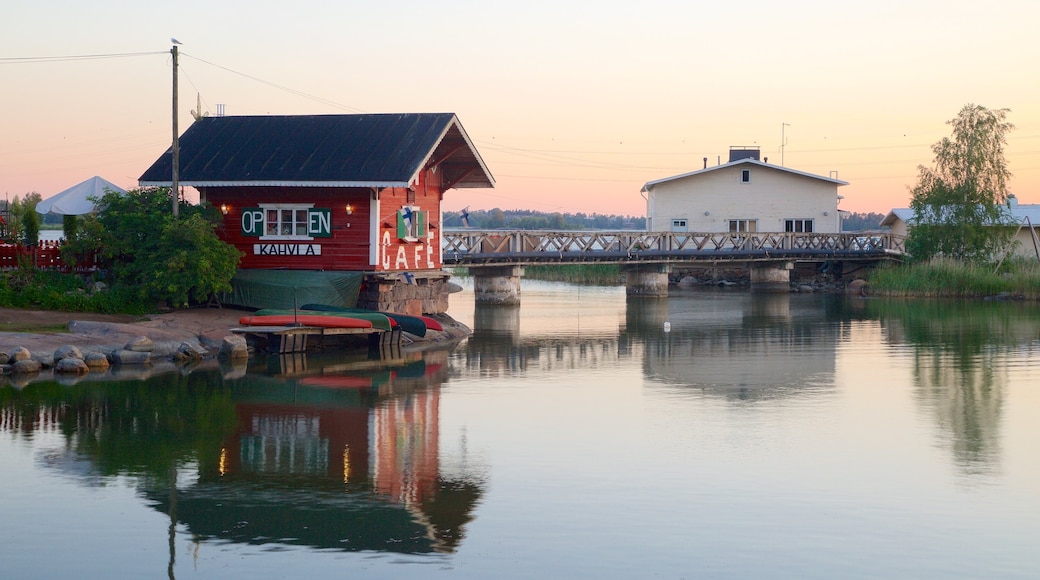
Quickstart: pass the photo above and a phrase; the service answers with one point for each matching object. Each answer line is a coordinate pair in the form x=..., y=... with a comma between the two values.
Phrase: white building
x=743, y=195
x=1024, y=217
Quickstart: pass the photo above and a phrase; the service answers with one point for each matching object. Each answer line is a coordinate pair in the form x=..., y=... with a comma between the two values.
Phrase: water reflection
x=738, y=346
x=336, y=453
x=960, y=367
x=501, y=346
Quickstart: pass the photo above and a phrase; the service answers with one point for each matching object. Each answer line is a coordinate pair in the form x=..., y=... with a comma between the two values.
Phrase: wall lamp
x=350, y=209
x=224, y=208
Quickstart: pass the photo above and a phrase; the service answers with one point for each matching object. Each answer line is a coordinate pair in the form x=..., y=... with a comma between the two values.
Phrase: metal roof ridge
x=652, y=183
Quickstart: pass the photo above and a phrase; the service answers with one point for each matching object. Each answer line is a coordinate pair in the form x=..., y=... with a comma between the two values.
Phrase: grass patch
x=15, y=326
x=947, y=278
x=596, y=274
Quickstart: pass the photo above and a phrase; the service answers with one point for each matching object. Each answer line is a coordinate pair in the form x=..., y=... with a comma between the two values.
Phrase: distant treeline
x=517, y=219
x=522, y=219
x=858, y=222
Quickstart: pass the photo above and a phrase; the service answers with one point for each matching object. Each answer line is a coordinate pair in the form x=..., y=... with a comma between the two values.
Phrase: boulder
x=96, y=360
x=67, y=351
x=233, y=347
x=140, y=344
x=26, y=367
x=688, y=281
x=857, y=287
x=19, y=354
x=186, y=354
x=131, y=357
x=71, y=366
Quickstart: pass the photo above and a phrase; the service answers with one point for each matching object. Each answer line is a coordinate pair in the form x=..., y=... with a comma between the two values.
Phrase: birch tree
x=959, y=203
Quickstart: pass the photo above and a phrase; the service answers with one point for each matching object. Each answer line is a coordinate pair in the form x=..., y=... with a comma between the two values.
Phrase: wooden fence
x=44, y=256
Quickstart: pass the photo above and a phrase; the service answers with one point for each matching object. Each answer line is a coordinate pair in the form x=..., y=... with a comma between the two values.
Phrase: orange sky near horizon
x=573, y=105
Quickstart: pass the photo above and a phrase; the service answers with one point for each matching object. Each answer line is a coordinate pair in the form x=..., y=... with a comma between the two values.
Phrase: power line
x=74, y=57
x=277, y=86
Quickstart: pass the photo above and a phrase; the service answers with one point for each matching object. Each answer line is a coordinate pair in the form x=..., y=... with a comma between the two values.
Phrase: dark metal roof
x=369, y=150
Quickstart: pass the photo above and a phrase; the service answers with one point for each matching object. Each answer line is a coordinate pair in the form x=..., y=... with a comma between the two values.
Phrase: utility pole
x=176, y=137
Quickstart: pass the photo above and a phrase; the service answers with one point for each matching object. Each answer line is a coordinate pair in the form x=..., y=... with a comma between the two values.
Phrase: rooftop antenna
x=197, y=112
x=783, y=141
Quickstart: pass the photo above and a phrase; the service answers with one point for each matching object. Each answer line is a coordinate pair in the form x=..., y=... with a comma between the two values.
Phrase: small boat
x=316, y=320
x=416, y=325
x=379, y=320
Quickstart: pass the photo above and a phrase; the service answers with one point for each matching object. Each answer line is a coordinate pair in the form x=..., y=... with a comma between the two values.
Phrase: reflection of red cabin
x=357, y=193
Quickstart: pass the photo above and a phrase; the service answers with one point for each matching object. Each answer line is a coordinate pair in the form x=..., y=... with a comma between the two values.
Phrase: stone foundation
x=413, y=293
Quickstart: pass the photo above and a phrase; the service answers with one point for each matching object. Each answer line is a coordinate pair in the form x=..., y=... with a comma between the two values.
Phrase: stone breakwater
x=139, y=351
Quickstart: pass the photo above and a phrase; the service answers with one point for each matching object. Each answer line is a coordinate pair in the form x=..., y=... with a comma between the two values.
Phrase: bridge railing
x=460, y=244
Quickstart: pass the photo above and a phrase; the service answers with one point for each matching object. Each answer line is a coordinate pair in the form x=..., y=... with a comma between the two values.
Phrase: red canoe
x=317, y=320
x=431, y=323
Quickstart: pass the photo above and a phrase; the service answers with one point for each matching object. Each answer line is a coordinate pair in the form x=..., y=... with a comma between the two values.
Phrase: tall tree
x=959, y=203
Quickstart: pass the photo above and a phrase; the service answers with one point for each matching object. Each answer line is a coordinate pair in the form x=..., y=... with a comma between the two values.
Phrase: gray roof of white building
x=748, y=161
x=1015, y=213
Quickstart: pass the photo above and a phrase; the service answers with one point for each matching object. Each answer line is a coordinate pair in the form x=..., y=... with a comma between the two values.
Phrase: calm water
x=763, y=436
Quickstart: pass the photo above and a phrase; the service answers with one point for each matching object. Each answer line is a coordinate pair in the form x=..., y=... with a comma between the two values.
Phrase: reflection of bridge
x=496, y=257
x=494, y=353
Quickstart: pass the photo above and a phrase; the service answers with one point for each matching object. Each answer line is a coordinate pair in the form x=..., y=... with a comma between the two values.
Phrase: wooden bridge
x=497, y=247
x=496, y=257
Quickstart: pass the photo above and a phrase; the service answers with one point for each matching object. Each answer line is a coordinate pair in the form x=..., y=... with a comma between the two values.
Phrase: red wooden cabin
x=331, y=193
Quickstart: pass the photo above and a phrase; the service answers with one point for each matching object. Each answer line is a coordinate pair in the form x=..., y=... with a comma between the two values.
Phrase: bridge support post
x=646, y=280
x=772, y=277
x=497, y=284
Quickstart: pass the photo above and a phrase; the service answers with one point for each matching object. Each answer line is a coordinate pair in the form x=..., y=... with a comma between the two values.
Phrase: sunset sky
x=573, y=105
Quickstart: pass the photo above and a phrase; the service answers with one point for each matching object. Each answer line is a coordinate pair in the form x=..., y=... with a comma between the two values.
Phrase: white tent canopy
x=75, y=200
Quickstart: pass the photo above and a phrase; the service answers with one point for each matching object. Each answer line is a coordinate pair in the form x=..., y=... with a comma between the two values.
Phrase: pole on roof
x=176, y=138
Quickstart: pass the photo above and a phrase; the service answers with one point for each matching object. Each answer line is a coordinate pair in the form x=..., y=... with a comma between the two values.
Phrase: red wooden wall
x=347, y=246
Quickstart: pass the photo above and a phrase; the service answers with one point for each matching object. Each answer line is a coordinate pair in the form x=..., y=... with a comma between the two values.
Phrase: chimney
x=705, y=162
x=736, y=153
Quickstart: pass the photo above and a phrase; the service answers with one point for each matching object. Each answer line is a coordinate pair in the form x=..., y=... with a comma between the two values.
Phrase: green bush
x=46, y=290
x=158, y=258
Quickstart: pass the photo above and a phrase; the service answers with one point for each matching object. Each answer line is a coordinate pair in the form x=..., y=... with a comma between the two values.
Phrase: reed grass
x=948, y=278
x=596, y=274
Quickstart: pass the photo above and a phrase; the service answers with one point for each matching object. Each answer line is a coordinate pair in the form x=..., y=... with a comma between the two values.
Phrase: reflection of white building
x=743, y=195
x=757, y=347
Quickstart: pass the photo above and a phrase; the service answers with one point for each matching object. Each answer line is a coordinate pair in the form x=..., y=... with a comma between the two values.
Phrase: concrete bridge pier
x=772, y=277
x=497, y=284
x=646, y=280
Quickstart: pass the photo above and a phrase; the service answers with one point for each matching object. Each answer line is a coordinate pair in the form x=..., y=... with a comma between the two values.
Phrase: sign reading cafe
x=281, y=227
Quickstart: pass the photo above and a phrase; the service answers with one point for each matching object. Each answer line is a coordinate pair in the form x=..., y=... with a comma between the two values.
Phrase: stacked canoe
x=325, y=316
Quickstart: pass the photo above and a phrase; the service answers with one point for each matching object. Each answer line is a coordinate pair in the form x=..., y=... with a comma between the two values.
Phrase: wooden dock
x=289, y=339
